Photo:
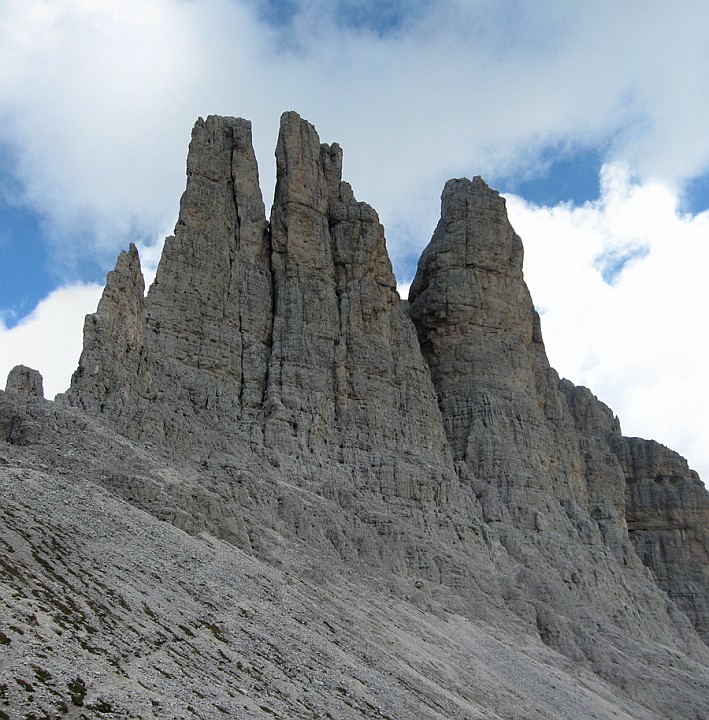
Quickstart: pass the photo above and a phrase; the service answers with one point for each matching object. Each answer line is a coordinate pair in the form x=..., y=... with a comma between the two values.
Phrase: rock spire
x=112, y=365
x=481, y=337
x=289, y=333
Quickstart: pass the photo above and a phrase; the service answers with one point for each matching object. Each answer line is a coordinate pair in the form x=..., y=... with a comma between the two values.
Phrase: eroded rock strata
x=667, y=511
x=413, y=497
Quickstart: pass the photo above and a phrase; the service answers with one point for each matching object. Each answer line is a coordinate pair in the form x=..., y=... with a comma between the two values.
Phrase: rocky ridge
x=271, y=398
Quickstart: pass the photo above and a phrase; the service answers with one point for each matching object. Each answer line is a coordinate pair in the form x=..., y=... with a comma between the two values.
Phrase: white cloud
x=638, y=343
x=99, y=98
x=50, y=338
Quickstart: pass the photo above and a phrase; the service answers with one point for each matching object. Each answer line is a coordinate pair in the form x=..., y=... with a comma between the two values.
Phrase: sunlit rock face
x=501, y=407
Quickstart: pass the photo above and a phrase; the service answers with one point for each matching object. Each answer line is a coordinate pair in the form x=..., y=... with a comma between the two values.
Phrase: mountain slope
x=275, y=489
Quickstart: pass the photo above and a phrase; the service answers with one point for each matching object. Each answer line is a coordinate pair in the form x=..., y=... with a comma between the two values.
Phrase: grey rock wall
x=345, y=379
x=479, y=332
x=112, y=368
x=667, y=511
x=282, y=398
x=209, y=309
x=535, y=449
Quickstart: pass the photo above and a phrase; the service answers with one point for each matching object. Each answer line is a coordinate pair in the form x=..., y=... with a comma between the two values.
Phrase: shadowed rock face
x=271, y=392
x=667, y=510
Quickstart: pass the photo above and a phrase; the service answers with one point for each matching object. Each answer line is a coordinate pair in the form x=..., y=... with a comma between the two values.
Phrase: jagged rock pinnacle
x=209, y=309
x=345, y=361
x=480, y=335
x=112, y=365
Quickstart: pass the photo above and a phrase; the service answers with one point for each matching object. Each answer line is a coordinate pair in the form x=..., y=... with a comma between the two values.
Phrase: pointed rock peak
x=476, y=192
x=211, y=144
x=219, y=255
x=296, y=133
x=113, y=339
x=475, y=187
x=298, y=140
x=308, y=171
x=123, y=295
x=25, y=381
x=299, y=216
x=474, y=228
x=223, y=198
x=127, y=273
x=121, y=304
x=481, y=337
x=344, y=357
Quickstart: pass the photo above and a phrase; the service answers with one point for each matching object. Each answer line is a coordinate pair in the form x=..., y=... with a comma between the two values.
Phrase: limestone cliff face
x=480, y=334
x=667, y=510
x=345, y=376
x=304, y=415
x=23, y=380
x=208, y=311
x=663, y=505
x=541, y=451
x=290, y=334
x=596, y=427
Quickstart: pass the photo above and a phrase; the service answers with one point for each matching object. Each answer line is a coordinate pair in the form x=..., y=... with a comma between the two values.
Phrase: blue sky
x=597, y=138
x=26, y=276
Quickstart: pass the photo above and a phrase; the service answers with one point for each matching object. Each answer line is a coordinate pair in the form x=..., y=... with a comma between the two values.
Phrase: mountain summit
x=274, y=489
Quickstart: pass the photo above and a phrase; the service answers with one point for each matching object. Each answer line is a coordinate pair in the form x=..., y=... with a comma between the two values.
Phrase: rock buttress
x=113, y=370
x=663, y=504
x=535, y=449
x=26, y=381
x=480, y=334
x=667, y=509
x=596, y=426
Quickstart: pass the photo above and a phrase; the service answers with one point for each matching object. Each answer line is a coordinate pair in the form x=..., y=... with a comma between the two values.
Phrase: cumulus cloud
x=635, y=337
x=99, y=97
x=49, y=339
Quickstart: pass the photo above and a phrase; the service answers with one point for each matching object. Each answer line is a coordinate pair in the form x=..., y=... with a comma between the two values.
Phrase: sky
x=589, y=116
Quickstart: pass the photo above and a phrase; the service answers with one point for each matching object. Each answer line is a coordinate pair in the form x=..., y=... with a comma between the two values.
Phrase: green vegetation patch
x=77, y=689
x=44, y=676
